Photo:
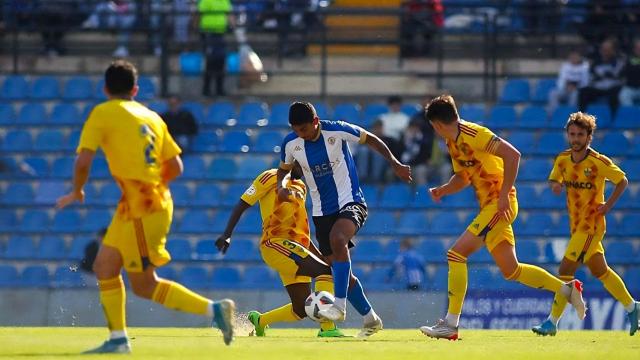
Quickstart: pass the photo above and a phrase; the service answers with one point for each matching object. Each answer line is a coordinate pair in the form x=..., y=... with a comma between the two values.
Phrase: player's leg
x=566, y=272
x=615, y=286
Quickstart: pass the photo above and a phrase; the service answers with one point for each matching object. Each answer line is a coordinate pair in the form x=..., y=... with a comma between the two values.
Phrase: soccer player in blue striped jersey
x=339, y=208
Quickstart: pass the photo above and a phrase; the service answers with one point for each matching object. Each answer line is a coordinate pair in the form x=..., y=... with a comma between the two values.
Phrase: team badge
x=588, y=172
x=332, y=140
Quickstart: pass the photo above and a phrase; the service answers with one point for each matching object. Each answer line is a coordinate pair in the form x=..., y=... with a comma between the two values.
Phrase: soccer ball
x=317, y=301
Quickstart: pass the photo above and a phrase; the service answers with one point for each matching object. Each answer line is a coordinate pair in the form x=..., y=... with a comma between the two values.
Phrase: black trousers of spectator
x=53, y=24
x=589, y=94
x=215, y=53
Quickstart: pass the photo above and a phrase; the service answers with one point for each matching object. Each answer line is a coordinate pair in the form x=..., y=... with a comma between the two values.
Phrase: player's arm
x=555, y=178
x=403, y=171
x=456, y=183
x=171, y=169
x=611, y=201
x=224, y=240
x=80, y=176
x=282, y=177
x=511, y=161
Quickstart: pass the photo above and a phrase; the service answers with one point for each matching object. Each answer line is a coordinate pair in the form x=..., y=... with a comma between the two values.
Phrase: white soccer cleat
x=441, y=330
x=333, y=313
x=575, y=298
x=371, y=328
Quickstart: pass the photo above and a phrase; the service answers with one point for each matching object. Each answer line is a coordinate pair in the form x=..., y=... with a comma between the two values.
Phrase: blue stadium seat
x=180, y=193
x=349, y=112
x=446, y=223
x=222, y=168
x=524, y=141
x=412, y=223
x=17, y=140
x=527, y=196
x=67, y=277
x=67, y=221
x=560, y=116
x=542, y=90
x=515, y=91
x=96, y=219
x=627, y=117
x=233, y=193
x=396, y=196
x=551, y=143
x=48, y=192
x=629, y=225
x=528, y=251
x=195, y=221
x=628, y=201
x=614, y=143
x=196, y=109
x=34, y=221
x=147, y=89
x=33, y=114
x=100, y=168
x=20, y=247
x=206, y=250
x=439, y=280
x=191, y=63
x=370, y=250
x=49, y=140
x=179, y=249
x=250, y=223
x=631, y=279
x=18, y=193
x=194, y=167
x=77, y=88
x=422, y=199
x=370, y=195
x=8, y=221
x=502, y=117
x=242, y=250
x=549, y=200
x=207, y=195
x=602, y=112
x=7, y=114
x=8, y=276
x=463, y=199
x=535, y=170
x=76, y=249
x=52, y=248
x=45, y=88
x=432, y=251
x=221, y=217
x=378, y=279
x=380, y=223
x=322, y=110
x=62, y=167
x=72, y=140
x=36, y=276
x=235, y=141
x=533, y=117
x=268, y=141
x=250, y=167
x=251, y=112
x=15, y=87
x=39, y=165
x=260, y=277
x=371, y=112
x=411, y=109
x=483, y=278
x=361, y=272
x=632, y=168
x=537, y=224
x=167, y=272
x=621, y=252
x=220, y=112
x=98, y=92
x=110, y=194
x=205, y=141
x=159, y=106
x=472, y=112
x=226, y=277
x=66, y=114
x=279, y=114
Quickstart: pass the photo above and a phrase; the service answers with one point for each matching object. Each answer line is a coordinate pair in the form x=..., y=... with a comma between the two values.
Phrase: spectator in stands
x=605, y=78
x=437, y=165
x=180, y=122
x=421, y=20
x=410, y=264
x=630, y=93
x=371, y=165
x=91, y=251
x=54, y=18
x=181, y=19
x=574, y=75
x=214, y=21
x=541, y=16
x=393, y=124
x=114, y=15
x=416, y=150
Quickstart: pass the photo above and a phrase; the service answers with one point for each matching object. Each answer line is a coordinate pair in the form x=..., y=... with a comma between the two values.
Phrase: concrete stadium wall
x=25, y=307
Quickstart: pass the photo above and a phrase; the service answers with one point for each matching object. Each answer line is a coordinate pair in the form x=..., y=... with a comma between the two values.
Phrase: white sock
x=118, y=334
x=566, y=289
x=629, y=308
x=553, y=319
x=210, y=312
x=370, y=317
x=341, y=303
x=452, y=319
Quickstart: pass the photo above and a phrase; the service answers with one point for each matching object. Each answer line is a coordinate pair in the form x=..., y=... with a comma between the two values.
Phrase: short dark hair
x=120, y=78
x=394, y=99
x=443, y=109
x=301, y=112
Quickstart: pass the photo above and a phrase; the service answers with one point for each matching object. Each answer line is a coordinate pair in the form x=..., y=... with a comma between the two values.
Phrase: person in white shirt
x=395, y=121
x=574, y=74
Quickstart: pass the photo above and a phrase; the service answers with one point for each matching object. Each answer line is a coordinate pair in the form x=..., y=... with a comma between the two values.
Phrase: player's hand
x=603, y=209
x=504, y=208
x=222, y=243
x=436, y=194
x=556, y=188
x=284, y=194
x=68, y=199
x=403, y=171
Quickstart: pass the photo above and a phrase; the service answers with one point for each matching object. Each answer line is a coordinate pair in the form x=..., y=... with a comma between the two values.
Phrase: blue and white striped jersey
x=328, y=166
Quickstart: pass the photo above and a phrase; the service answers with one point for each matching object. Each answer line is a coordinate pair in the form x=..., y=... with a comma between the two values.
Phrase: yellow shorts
x=282, y=256
x=141, y=241
x=582, y=246
x=493, y=228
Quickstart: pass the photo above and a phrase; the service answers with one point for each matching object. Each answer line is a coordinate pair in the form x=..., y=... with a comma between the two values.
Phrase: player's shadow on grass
x=70, y=354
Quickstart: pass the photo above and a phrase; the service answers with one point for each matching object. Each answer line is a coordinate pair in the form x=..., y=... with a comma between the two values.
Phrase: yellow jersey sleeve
x=169, y=147
x=91, y=135
x=259, y=188
x=610, y=170
x=556, y=172
x=485, y=140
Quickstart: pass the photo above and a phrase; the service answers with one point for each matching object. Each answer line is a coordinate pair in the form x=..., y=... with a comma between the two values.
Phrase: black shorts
x=356, y=212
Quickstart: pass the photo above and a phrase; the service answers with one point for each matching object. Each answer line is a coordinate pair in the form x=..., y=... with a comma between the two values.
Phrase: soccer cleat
x=331, y=333
x=223, y=316
x=254, y=318
x=633, y=319
x=441, y=330
x=546, y=328
x=112, y=346
x=575, y=298
x=333, y=313
x=371, y=328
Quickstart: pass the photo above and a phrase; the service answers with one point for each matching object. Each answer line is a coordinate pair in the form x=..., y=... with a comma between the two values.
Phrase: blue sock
x=357, y=298
x=341, y=272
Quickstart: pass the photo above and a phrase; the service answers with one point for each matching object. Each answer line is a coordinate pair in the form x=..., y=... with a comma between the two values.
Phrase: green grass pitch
x=190, y=343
